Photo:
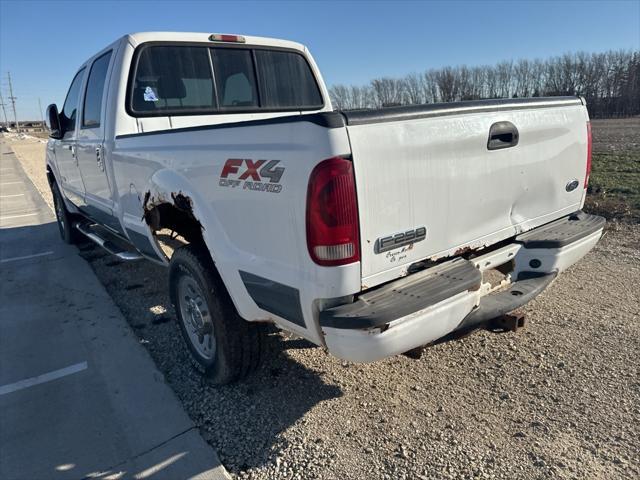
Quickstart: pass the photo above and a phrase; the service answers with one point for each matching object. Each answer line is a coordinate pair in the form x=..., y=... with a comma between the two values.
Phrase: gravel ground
x=559, y=399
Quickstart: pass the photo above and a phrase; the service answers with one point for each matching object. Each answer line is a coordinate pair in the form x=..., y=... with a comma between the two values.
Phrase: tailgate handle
x=502, y=135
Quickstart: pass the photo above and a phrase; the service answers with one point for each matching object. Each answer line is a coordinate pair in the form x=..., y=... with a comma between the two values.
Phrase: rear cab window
x=172, y=79
x=286, y=81
x=196, y=80
x=235, y=78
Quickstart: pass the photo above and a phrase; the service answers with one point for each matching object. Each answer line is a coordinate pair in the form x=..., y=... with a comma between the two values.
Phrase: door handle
x=99, y=158
x=502, y=135
x=73, y=153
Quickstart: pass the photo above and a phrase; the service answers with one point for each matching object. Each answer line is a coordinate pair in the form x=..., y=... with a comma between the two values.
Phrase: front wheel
x=223, y=345
x=64, y=217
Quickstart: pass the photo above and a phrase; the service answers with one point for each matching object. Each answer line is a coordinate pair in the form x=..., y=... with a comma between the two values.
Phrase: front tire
x=65, y=219
x=223, y=345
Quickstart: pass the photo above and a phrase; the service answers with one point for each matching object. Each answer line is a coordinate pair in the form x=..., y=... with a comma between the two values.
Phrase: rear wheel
x=65, y=219
x=223, y=345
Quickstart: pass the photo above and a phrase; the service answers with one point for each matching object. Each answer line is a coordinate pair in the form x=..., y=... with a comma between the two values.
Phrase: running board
x=108, y=245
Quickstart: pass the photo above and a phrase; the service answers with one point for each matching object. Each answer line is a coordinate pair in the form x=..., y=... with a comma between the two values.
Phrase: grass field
x=614, y=187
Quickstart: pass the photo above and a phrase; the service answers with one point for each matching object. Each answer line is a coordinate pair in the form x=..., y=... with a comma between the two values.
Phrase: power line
x=13, y=102
x=4, y=111
x=40, y=108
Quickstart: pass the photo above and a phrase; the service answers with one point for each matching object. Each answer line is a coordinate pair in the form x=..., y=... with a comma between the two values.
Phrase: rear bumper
x=452, y=296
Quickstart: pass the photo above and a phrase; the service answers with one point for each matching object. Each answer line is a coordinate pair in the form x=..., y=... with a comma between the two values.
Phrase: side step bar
x=108, y=245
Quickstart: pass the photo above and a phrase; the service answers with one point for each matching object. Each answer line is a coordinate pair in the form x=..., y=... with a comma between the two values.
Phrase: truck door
x=90, y=145
x=66, y=148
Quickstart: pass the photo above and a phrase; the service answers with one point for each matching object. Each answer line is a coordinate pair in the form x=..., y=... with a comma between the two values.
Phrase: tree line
x=609, y=81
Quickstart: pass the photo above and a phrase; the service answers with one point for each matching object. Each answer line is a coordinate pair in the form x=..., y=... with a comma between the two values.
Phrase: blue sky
x=43, y=42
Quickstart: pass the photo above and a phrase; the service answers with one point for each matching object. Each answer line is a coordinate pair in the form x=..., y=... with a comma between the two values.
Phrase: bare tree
x=388, y=91
x=447, y=82
x=609, y=81
x=413, y=91
x=363, y=97
x=430, y=87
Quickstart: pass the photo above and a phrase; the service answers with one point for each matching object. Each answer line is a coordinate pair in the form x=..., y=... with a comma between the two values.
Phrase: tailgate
x=430, y=176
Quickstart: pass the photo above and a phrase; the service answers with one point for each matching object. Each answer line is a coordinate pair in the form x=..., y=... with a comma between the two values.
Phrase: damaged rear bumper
x=428, y=305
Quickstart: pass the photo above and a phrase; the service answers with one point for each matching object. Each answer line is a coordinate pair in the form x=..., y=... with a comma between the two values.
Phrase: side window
x=173, y=79
x=95, y=89
x=286, y=80
x=68, y=115
x=235, y=78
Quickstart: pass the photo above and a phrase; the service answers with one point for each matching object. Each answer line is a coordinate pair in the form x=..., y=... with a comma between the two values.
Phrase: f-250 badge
x=384, y=244
x=258, y=175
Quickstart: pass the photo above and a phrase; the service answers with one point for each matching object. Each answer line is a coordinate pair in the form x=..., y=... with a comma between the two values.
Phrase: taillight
x=332, y=214
x=589, y=143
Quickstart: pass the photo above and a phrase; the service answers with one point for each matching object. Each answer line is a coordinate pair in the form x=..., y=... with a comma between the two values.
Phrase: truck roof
x=141, y=37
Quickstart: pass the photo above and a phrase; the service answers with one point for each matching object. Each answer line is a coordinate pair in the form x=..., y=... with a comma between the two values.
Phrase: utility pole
x=13, y=102
x=4, y=111
x=41, y=117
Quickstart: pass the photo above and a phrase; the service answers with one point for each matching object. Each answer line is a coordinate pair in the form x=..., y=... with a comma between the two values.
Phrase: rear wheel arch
x=172, y=217
x=171, y=202
x=185, y=231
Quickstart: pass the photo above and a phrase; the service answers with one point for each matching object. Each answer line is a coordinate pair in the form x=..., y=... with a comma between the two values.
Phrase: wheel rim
x=196, y=317
x=59, y=214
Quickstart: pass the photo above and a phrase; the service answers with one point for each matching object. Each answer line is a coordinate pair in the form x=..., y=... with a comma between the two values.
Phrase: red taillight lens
x=332, y=214
x=589, y=143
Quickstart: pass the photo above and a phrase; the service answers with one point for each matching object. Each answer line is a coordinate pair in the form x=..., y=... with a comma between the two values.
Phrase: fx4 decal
x=252, y=175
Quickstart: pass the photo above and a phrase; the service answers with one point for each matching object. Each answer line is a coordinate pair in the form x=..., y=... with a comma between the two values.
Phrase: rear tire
x=223, y=345
x=65, y=219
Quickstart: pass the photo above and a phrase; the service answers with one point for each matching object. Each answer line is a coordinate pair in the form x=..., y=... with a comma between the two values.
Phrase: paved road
x=79, y=396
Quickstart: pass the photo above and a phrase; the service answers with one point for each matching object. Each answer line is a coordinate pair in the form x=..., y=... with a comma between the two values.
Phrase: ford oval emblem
x=571, y=186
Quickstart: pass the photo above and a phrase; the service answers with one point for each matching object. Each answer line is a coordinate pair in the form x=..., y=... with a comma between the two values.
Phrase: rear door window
x=171, y=79
x=92, y=111
x=286, y=80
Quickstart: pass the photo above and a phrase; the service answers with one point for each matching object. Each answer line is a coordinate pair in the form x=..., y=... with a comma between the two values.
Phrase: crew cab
x=370, y=233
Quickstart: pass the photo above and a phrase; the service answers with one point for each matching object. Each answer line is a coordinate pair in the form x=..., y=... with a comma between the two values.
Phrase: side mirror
x=53, y=122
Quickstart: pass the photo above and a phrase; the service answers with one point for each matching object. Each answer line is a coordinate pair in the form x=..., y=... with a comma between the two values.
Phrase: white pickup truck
x=370, y=233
